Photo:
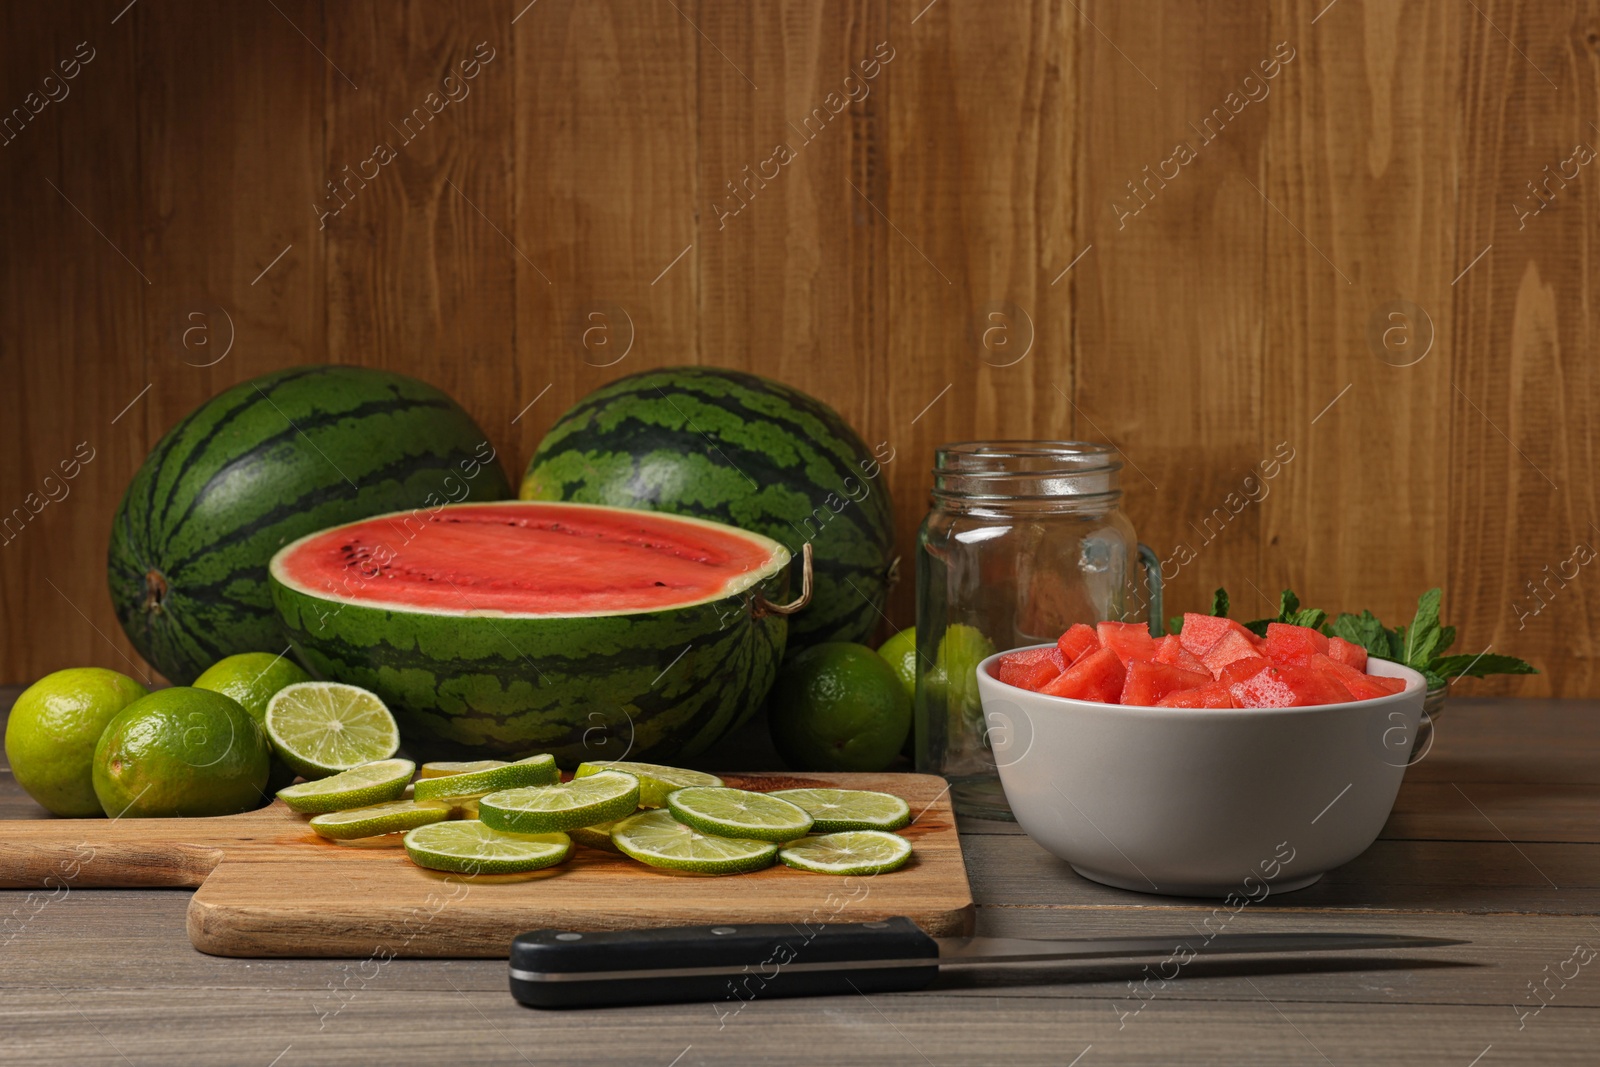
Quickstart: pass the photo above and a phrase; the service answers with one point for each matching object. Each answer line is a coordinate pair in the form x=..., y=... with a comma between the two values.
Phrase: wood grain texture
x=569, y=220
x=268, y=886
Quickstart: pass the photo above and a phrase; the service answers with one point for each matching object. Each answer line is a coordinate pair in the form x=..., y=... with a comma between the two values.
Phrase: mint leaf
x=1175, y=625
x=1447, y=637
x=1219, y=603
x=1259, y=626
x=1422, y=636
x=1434, y=681
x=1311, y=617
x=1364, y=630
x=1479, y=666
x=1397, y=645
x=1288, y=604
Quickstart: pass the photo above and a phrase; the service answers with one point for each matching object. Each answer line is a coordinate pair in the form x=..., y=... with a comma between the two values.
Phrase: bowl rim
x=1416, y=685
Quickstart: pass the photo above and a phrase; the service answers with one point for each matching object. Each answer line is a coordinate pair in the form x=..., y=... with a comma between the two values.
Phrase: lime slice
x=738, y=813
x=469, y=847
x=321, y=728
x=371, y=783
x=535, y=770
x=440, y=768
x=657, y=839
x=544, y=809
x=375, y=819
x=848, y=809
x=655, y=781
x=850, y=852
x=596, y=836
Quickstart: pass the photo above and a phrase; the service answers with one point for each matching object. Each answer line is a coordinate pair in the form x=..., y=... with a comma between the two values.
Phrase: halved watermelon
x=1148, y=681
x=520, y=627
x=1078, y=640
x=1097, y=676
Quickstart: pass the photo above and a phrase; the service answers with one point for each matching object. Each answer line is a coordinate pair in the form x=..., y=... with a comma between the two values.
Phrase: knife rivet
x=723, y=930
x=569, y=937
x=876, y=926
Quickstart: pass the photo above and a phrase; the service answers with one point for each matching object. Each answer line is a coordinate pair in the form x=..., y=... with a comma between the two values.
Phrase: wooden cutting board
x=268, y=886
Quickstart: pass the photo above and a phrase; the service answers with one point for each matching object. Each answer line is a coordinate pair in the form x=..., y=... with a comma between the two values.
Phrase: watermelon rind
x=743, y=450
x=650, y=684
x=258, y=466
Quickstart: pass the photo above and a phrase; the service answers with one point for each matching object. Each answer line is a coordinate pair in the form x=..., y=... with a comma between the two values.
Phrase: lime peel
x=370, y=783
x=739, y=813
x=656, y=839
x=470, y=847
x=851, y=852
x=543, y=809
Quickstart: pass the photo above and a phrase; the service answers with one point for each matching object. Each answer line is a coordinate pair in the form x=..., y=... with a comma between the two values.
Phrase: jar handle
x=1152, y=581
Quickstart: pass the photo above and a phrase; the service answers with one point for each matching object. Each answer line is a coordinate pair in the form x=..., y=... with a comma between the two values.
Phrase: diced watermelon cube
x=1129, y=640
x=1148, y=681
x=1347, y=652
x=1210, y=695
x=1030, y=668
x=1293, y=646
x=1289, y=687
x=1362, y=686
x=1077, y=641
x=1200, y=632
x=1243, y=669
x=1097, y=676
x=1170, y=650
x=1230, y=647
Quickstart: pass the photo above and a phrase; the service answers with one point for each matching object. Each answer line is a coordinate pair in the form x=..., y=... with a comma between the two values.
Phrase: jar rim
x=1066, y=457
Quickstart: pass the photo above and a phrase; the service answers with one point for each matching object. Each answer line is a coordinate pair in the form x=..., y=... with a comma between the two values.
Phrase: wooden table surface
x=1495, y=839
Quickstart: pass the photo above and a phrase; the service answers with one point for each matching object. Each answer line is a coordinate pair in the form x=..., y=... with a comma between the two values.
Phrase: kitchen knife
x=571, y=969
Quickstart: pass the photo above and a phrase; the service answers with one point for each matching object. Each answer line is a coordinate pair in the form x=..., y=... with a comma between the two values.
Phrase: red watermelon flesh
x=1031, y=668
x=1362, y=686
x=1348, y=653
x=1129, y=640
x=1201, y=632
x=1097, y=676
x=1148, y=681
x=1289, y=687
x=1077, y=641
x=528, y=559
x=1170, y=650
x=1210, y=695
x=1232, y=646
x=1293, y=646
x=1244, y=668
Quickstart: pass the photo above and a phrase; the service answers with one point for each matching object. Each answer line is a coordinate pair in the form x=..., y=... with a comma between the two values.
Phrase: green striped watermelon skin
x=743, y=450
x=259, y=466
x=661, y=685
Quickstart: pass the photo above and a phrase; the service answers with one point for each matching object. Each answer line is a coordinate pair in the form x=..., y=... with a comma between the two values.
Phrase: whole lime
x=181, y=751
x=900, y=652
x=961, y=649
x=52, y=731
x=838, y=706
x=253, y=678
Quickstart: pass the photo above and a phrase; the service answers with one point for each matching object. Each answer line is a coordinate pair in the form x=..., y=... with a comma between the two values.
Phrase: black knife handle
x=727, y=962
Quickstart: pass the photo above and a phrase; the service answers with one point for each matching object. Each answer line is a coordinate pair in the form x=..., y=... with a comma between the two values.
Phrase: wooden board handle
x=100, y=856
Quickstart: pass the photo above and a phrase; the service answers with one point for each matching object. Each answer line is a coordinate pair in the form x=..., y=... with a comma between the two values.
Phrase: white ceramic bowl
x=1202, y=801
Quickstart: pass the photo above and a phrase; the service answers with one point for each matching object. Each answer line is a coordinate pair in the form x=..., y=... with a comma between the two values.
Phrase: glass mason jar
x=1024, y=539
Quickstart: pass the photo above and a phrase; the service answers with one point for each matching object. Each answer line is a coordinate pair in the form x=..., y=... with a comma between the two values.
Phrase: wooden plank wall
x=1221, y=234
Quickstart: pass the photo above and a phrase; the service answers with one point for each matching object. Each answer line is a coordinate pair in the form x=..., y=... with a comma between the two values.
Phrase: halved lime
x=655, y=781
x=544, y=809
x=375, y=819
x=469, y=847
x=738, y=813
x=596, y=836
x=850, y=852
x=657, y=839
x=321, y=728
x=535, y=770
x=848, y=809
x=371, y=783
x=440, y=768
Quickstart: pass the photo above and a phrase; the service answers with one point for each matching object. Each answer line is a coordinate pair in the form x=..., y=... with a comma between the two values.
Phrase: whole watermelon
x=739, y=449
x=258, y=466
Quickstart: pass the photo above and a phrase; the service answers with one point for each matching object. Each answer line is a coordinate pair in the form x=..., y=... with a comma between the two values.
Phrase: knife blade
x=572, y=969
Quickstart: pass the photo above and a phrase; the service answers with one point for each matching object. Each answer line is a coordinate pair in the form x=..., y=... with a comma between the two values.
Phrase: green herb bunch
x=1421, y=645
